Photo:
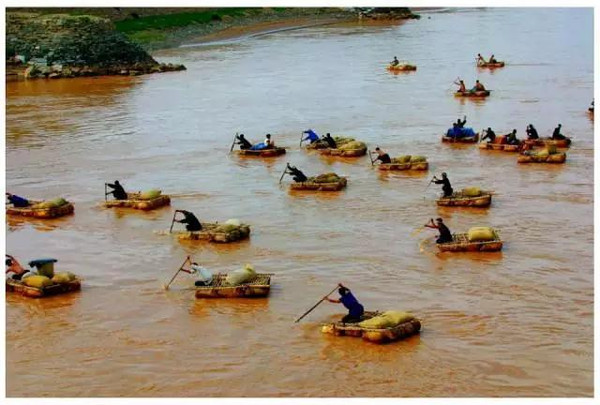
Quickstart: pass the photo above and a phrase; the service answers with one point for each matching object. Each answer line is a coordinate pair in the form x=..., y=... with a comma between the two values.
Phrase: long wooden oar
x=283, y=174
x=316, y=305
x=301, y=134
x=416, y=232
x=177, y=272
x=430, y=181
x=370, y=157
x=173, y=221
x=105, y=192
x=233, y=143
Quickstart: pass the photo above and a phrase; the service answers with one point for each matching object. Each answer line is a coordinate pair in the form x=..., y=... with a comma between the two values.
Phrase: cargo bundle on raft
x=468, y=197
x=45, y=283
x=377, y=327
x=322, y=182
x=407, y=162
x=216, y=233
x=43, y=209
x=477, y=239
x=547, y=155
x=257, y=286
x=346, y=147
x=146, y=200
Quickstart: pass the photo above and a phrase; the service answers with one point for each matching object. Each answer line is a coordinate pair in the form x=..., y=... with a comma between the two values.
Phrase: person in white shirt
x=269, y=143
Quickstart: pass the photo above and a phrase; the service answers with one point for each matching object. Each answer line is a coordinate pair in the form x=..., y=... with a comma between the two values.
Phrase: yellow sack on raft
x=353, y=145
x=63, y=278
x=377, y=322
x=326, y=178
x=551, y=149
x=227, y=228
x=150, y=194
x=397, y=317
x=240, y=276
x=481, y=234
x=557, y=157
x=418, y=159
x=340, y=140
x=55, y=203
x=402, y=159
x=471, y=192
x=37, y=281
x=544, y=153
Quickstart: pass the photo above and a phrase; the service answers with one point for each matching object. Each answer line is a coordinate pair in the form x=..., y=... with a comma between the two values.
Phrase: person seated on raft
x=243, y=142
x=446, y=188
x=119, y=192
x=395, y=62
x=445, y=234
x=355, y=308
x=16, y=201
x=480, y=60
x=268, y=143
x=382, y=156
x=310, y=136
x=531, y=132
x=296, y=174
x=489, y=134
x=462, y=88
x=330, y=141
x=461, y=124
x=454, y=132
x=478, y=87
x=493, y=60
x=511, y=139
x=556, y=134
x=192, y=223
x=13, y=266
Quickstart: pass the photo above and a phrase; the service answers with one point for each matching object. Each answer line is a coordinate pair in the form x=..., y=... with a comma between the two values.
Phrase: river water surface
x=515, y=323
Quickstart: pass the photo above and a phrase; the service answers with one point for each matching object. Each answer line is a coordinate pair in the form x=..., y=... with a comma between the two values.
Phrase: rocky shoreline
x=41, y=45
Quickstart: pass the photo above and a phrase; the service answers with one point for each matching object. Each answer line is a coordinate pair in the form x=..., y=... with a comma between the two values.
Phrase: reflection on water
x=519, y=322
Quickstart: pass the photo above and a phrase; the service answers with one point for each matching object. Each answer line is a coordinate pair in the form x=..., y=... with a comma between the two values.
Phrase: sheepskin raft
x=463, y=139
x=19, y=287
x=322, y=182
x=490, y=65
x=474, y=94
x=402, y=68
x=461, y=243
x=217, y=233
x=461, y=199
x=558, y=157
x=135, y=201
x=500, y=144
x=269, y=152
x=259, y=286
x=37, y=209
x=384, y=335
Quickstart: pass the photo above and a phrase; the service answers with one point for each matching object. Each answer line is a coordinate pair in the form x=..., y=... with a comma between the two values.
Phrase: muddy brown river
x=514, y=323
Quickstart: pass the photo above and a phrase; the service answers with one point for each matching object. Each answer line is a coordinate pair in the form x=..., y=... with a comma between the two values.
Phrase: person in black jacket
x=243, y=142
x=446, y=188
x=296, y=174
x=445, y=234
x=489, y=134
x=531, y=132
x=192, y=223
x=382, y=156
x=118, y=191
x=330, y=141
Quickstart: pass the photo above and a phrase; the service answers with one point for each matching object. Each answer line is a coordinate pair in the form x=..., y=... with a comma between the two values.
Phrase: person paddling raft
x=13, y=266
x=118, y=191
x=461, y=124
x=556, y=134
x=16, y=201
x=480, y=60
x=383, y=157
x=355, y=308
x=395, y=62
x=296, y=174
x=445, y=234
x=330, y=141
x=493, y=60
x=446, y=188
x=311, y=136
x=192, y=223
x=243, y=142
x=531, y=132
x=489, y=134
x=461, y=86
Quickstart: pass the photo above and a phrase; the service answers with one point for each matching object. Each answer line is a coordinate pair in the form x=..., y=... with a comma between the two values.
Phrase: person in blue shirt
x=355, y=308
x=310, y=136
x=16, y=201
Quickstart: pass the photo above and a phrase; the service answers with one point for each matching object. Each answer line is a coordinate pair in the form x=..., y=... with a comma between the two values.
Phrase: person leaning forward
x=192, y=223
x=355, y=308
